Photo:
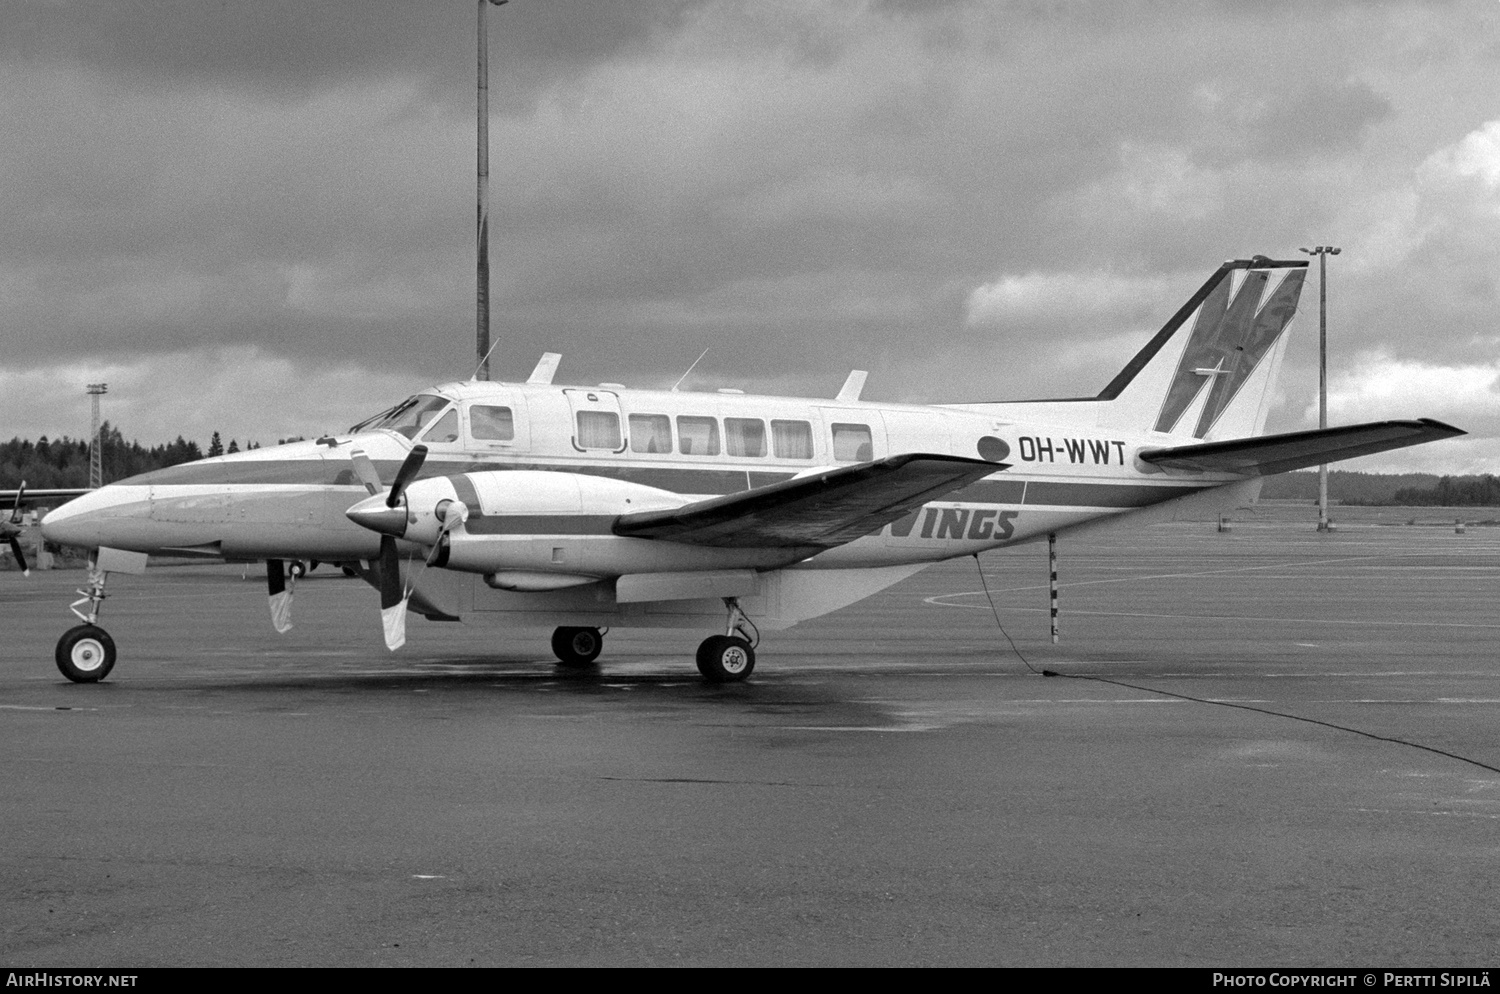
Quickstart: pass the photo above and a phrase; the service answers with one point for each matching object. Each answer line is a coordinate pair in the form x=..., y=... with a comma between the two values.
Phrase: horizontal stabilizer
x=1271, y=454
x=817, y=511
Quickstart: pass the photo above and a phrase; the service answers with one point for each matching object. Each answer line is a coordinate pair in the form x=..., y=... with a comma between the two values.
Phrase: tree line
x=1388, y=490
x=64, y=463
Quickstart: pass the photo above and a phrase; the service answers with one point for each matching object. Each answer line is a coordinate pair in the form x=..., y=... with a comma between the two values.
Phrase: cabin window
x=491, y=424
x=650, y=433
x=445, y=430
x=599, y=430
x=697, y=436
x=852, y=443
x=791, y=439
x=745, y=437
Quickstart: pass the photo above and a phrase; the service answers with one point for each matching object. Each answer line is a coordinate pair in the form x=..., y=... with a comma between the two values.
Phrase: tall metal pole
x=1323, y=383
x=1323, y=252
x=482, y=225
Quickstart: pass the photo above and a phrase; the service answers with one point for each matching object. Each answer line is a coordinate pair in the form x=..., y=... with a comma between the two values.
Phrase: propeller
x=11, y=529
x=390, y=522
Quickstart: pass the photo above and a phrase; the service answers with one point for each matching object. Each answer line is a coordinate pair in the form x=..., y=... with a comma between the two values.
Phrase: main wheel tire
x=298, y=569
x=725, y=659
x=85, y=654
x=577, y=646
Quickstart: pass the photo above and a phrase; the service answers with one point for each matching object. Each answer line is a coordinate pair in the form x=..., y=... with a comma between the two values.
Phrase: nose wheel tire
x=725, y=659
x=577, y=646
x=85, y=654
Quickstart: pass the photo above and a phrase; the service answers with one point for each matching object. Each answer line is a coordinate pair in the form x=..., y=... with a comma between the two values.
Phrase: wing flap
x=1267, y=455
x=818, y=511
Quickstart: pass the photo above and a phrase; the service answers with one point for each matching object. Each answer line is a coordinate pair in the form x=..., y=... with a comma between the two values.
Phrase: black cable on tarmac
x=1203, y=700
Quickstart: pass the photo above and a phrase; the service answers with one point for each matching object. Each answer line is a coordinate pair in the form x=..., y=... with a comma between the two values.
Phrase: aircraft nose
x=108, y=516
x=373, y=514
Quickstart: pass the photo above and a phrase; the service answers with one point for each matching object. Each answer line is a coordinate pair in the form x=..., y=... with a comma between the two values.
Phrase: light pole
x=482, y=289
x=96, y=450
x=1323, y=252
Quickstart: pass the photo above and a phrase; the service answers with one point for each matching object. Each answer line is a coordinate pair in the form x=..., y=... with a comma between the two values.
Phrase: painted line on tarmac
x=1200, y=573
x=941, y=601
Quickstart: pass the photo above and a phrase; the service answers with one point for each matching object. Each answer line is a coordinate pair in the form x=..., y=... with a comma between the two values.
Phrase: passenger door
x=597, y=424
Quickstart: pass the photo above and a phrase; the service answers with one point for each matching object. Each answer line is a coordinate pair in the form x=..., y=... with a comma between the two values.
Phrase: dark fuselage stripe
x=541, y=524
x=1101, y=494
x=310, y=472
x=339, y=473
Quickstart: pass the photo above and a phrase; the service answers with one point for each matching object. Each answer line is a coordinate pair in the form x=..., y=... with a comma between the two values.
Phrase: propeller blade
x=15, y=550
x=408, y=472
x=392, y=596
x=390, y=573
x=15, y=512
x=364, y=468
x=280, y=594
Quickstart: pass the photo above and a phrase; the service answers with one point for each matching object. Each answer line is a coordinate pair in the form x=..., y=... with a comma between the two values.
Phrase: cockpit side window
x=444, y=430
x=491, y=424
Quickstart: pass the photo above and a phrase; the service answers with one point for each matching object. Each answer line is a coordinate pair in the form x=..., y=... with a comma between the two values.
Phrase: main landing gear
x=726, y=658
x=577, y=647
x=86, y=653
x=729, y=657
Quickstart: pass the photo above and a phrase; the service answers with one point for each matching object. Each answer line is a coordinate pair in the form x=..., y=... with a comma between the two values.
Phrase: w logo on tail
x=1232, y=335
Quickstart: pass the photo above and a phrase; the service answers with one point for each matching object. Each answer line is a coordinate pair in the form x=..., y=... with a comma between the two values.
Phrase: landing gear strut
x=729, y=657
x=86, y=653
x=575, y=647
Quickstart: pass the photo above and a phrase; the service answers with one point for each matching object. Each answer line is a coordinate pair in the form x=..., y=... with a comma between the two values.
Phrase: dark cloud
x=801, y=186
x=289, y=49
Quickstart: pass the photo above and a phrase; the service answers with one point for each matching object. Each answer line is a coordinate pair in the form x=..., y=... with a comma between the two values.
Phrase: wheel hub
x=88, y=655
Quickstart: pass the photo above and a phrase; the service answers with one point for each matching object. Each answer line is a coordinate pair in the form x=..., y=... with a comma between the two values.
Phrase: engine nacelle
x=523, y=523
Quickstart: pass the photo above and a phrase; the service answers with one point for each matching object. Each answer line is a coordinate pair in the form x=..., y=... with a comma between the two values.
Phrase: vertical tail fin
x=1214, y=382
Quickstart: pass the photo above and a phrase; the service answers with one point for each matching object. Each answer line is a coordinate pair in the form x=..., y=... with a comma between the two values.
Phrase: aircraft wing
x=820, y=510
x=50, y=498
x=1267, y=455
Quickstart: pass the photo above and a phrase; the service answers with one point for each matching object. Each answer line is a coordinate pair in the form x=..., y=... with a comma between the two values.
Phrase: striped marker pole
x=1052, y=579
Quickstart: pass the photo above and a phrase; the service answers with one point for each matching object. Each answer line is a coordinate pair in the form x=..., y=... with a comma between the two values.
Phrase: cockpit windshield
x=408, y=417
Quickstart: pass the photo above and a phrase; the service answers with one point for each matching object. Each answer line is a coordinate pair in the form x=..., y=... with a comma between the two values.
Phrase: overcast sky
x=257, y=217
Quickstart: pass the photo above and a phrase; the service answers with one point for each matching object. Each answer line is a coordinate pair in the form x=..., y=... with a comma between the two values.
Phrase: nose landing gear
x=86, y=653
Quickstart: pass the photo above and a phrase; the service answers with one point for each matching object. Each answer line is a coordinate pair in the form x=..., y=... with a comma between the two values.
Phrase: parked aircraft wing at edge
x=50, y=498
x=1269, y=454
x=819, y=510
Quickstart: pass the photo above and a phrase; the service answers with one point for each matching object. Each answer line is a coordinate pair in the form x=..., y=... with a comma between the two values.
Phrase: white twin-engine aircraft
x=588, y=508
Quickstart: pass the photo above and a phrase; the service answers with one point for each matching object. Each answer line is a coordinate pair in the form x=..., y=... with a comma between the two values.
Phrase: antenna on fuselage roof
x=482, y=362
x=690, y=369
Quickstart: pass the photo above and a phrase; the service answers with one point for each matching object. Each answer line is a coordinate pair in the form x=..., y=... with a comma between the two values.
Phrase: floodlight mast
x=1323, y=252
x=482, y=288
x=96, y=450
